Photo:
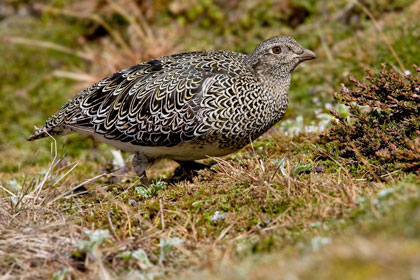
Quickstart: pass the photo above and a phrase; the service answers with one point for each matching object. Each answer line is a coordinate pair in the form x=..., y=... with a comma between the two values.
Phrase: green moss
x=406, y=39
x=356, y=269
x=29, y=92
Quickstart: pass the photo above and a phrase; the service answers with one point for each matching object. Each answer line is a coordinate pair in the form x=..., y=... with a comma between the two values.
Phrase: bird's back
x=156, y=103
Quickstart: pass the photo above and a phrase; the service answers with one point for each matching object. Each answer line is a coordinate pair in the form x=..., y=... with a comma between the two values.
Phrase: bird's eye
x=276, y=50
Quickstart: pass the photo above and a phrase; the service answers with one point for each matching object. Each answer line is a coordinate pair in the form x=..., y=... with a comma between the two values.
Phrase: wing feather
x=156, y=103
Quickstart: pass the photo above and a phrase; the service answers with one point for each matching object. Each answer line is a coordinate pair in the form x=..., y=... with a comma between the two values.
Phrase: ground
x=276, y=209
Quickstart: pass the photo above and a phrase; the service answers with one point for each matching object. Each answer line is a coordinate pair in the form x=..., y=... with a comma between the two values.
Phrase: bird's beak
x=307, y=55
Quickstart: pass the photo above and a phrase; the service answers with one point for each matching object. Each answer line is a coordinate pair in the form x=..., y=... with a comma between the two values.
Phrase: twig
x=225, y=231
x=112, y=226
x=278, y=168
x=143, y=21
x=362, y=158
x=379, y=29
x=114, y=34
x=162, y=220
x=128, y=221
x=342, y=167
x=324, y=44
x=140, y=33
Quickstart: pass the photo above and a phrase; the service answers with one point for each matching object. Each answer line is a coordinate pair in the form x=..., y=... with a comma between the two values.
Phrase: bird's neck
x=274, y=97
x=274, y=79
x=275, y=83
x=276, y=91
x=276, y=87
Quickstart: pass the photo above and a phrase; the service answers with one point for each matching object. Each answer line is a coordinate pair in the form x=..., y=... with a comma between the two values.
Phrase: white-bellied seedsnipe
x=186, y=106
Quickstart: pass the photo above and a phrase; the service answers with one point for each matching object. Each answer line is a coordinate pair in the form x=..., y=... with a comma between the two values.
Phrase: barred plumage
x=186, y=106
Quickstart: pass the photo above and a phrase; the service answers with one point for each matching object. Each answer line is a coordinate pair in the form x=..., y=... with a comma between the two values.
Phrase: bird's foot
x=140, y=164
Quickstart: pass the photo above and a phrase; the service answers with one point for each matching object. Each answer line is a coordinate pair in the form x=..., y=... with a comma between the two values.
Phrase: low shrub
x=382, y=132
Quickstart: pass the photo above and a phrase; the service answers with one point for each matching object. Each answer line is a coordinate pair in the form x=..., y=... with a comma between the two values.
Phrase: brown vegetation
x=383, y=130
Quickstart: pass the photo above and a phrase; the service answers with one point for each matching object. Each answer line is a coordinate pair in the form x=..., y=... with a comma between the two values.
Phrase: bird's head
x=277, y=57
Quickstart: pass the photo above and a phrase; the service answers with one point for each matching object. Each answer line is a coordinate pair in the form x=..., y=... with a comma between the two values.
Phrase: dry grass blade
x=82, y=77
x=119, y=9
x=39, y=187
x=125, y=46
x=225, y=231
x=383, y=36
x=69, y=194
x=49, y=45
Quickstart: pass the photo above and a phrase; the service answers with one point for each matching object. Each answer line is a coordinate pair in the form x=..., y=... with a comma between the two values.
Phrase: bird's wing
x=156, y=103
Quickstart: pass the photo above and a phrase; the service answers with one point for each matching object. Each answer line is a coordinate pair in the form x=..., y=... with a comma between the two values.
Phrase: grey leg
x=140, y=163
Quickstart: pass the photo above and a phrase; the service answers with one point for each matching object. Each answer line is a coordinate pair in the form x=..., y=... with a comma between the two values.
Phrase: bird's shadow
x=187, y=172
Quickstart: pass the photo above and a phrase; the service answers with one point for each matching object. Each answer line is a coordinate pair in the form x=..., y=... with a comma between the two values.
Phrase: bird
x=186, y=106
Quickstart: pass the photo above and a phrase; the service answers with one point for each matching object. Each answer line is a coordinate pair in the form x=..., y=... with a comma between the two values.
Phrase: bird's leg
x=140, y=164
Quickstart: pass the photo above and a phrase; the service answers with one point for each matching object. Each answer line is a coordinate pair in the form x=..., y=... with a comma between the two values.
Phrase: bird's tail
x=40, y=133
x=46, y=131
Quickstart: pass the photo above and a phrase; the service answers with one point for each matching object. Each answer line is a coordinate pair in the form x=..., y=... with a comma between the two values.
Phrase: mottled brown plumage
x=185, y=106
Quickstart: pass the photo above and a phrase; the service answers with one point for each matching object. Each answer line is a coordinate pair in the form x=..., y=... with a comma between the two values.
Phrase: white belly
x=183, y=152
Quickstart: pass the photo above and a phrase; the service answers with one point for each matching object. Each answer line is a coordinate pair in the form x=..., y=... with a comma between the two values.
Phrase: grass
x=380, y=243
x=272, y=210
x=266, y=208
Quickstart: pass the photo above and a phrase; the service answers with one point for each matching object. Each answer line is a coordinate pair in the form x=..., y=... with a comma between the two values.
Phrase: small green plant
x=301, y=168
x=61, y=274
x=92, y=248
x=383, y=131
x=166, y=245
x=140, y=256
x=96, y=238
x=151, y=190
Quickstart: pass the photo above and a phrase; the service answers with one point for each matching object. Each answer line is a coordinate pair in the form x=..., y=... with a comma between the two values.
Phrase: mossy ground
x=257, y=214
